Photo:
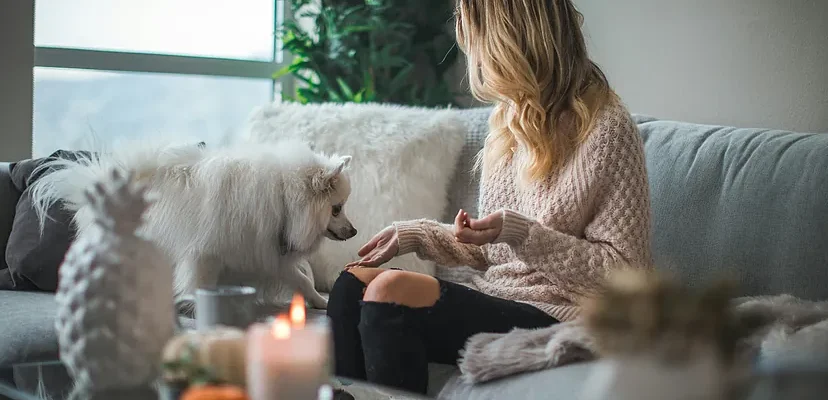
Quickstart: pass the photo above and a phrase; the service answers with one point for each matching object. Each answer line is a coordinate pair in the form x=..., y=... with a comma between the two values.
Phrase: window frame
x=17, y=87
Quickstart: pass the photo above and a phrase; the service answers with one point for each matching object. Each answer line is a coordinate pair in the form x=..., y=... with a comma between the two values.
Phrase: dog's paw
x=318, y=302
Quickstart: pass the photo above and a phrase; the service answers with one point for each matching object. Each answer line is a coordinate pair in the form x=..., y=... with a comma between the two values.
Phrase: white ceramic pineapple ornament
x=115, y=294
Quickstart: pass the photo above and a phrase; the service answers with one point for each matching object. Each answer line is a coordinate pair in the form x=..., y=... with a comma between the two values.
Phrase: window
x=107, y=70
x=238, y=29
x=76, y=109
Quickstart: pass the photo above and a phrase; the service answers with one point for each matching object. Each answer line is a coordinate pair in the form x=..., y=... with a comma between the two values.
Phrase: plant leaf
x=400, y=79
x=346, y=91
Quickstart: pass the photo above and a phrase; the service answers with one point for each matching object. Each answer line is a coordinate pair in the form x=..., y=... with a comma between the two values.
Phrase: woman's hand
x=477, y=231
x=379, y=250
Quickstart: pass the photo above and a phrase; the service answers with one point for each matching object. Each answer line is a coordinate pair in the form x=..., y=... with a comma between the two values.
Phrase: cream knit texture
x=562, y=236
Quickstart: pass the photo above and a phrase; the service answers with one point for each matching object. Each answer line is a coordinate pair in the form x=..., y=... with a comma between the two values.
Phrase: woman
x=564, y=199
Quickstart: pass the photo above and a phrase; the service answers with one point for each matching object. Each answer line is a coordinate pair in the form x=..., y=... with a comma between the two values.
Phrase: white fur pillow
x=403, y=161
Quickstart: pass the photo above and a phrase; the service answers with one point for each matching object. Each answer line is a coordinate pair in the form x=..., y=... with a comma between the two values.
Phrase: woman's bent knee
x=403, y=287
x=365, y=275
x=345, y=295
x=349, y=287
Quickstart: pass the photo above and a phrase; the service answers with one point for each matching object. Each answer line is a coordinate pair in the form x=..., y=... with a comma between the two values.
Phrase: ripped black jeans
x=391, y=345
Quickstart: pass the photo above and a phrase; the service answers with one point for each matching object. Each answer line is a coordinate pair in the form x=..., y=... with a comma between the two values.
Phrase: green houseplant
x=390, y=51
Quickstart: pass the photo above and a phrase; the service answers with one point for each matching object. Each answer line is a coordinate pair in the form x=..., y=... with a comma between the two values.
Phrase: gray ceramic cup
x=223, y=305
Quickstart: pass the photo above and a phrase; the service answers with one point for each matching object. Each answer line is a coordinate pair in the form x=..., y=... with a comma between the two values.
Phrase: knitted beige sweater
x=562, y=236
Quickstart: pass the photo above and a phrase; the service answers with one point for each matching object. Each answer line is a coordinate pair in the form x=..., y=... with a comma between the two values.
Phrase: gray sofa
x=748, y=204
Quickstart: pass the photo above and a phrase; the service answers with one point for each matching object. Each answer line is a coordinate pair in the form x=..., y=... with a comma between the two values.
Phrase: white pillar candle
x=287, y=360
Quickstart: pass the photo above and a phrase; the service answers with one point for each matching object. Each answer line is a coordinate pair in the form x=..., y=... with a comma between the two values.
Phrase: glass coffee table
x=49, y=381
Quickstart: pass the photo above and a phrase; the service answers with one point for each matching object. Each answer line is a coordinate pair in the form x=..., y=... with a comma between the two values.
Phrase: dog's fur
x=244, y=214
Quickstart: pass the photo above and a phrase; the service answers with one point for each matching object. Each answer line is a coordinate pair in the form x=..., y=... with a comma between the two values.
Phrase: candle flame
x=295, y=318
x=281, y=327
x=297, y=311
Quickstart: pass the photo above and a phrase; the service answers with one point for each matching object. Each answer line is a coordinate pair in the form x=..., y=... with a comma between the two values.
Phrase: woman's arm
x=434, y=241
x=618, y=235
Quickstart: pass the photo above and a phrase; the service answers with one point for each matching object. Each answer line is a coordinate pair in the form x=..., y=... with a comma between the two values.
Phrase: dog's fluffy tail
x=67, y=181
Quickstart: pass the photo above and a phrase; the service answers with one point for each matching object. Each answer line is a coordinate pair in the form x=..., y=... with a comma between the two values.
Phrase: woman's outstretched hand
x=379, y=250
x=477, y=231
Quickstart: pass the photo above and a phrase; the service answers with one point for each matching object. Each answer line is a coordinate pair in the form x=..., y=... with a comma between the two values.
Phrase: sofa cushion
x=33, y=258
x=746, y=204
x=28, y=327
x=564, y=383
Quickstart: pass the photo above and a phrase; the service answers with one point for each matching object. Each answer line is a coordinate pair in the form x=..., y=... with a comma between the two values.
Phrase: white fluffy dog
x=244, y=214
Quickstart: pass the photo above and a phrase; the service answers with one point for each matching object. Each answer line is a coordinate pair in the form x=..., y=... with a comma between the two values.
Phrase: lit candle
x=287, y=359
x=297, y=311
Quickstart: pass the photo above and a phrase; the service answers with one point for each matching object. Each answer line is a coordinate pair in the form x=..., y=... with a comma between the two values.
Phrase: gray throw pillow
x=33, y=258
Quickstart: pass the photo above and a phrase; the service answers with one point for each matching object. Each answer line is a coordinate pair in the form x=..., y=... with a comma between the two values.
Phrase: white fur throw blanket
x=403, y=161
x=777, y=329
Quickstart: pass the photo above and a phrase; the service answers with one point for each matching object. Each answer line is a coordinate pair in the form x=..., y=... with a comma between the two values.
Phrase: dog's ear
x=322, y=180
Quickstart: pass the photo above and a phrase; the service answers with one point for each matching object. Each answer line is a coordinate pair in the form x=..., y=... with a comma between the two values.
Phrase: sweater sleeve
x=434, y=241
x=617, y=235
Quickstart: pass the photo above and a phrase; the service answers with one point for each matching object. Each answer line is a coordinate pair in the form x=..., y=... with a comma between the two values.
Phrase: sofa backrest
x=745, y=204
x=749, y=204
x=464, y=188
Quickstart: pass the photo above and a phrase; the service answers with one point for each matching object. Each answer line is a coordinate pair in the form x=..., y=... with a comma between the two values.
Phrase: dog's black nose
x=352, y=232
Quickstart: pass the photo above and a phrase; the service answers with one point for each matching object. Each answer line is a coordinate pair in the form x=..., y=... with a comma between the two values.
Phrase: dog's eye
x=336, y=210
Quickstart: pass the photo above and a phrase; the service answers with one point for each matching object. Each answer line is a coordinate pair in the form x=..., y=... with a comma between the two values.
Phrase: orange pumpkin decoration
x=222, y=351
x=214, y=392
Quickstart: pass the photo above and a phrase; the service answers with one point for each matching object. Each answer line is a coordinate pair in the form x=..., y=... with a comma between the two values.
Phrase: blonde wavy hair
x=529, y=58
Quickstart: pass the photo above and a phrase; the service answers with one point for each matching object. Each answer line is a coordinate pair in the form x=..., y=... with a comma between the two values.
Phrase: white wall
x=749, y=63
x=16, y=69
